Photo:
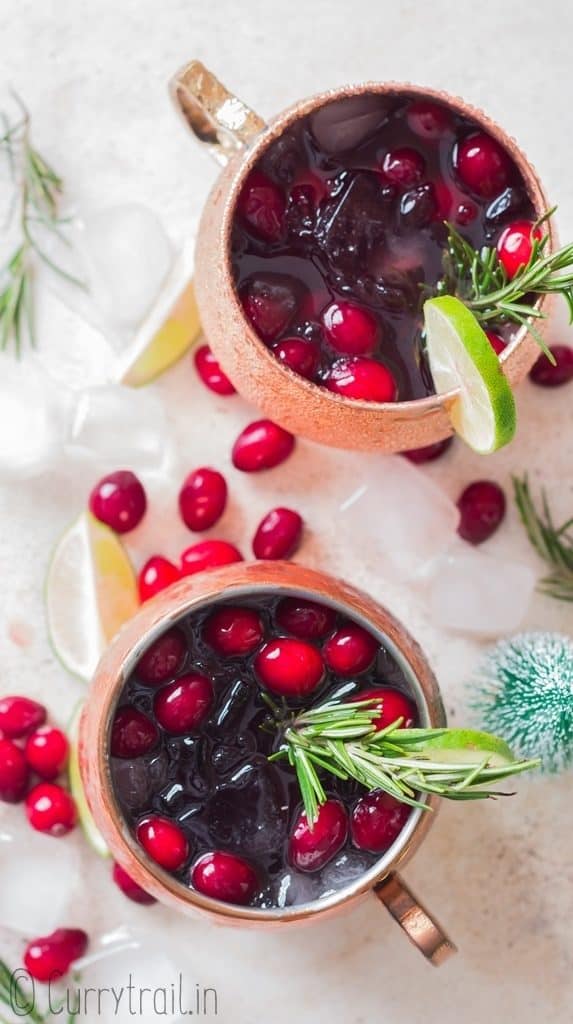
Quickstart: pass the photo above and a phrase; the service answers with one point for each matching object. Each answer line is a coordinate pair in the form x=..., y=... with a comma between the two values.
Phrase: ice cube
x=472, y=592
x=38, y=877
x=343, y=870
x=32, y=421
x=294, y=887
x=136, y=781
x=119, y=425
x=353, y=224
x=344, y=124
x=250, y=813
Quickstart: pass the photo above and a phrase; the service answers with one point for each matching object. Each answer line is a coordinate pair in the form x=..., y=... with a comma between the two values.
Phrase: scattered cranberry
x=202, y=498
x=350, y=650
x=51, y=809
x=546, y=375
x=129, y=888
x=515, y=245
x=261, y=205
x=393, y=705
x=404, y=167
x=164, y=841
x=163, y=659
x=269, y=304
x=428, y=120
x=226, y=877
x=13, y=772
x=429, y=453
x=233, y=631
x=132, y=733
x=20, y=716
x=49, y=958
x=119, y=501
x=299, y=354
x=182, y=705
x=278, y=534
x=482, y=508
x=211, y=373
x=291, y=668
x=157, y=574
x=497, y=343
x=261, y=445
x=307, y=620
x=465, y=213
x=362, y=379
x=483, y=165
x=310, y=848
x=350, y=329
x=47, y=752
x=208, y=554
x=377, y=821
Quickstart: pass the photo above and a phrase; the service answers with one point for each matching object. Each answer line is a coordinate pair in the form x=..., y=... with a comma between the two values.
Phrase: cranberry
x=546, y=374
x=202, y=498
x=50, y=957
x=208, y=554
x=211, y=373
x=119, y=501
x=132, y=733
x=483, y=165
x=377, y=821
x=350, y=650
x=129, y=888
x=291, y=668
x=163, y=841
x=269, y=304
x=429, y=453
x=404, y=167
x=420, y=206
x=497, y=343
x=233, y=631
x=13, y=772
x=311, y=847
x=226, y=877
x=157, y=574
x=19, y=716
x=482, y=508
x=393, y=705
x=163, y=659
x=361, y=379
x=428, y=120
x=515, y=245
x=47, y=752
x=278, y=534
x=444, y=200
x=466, y=212
x=261, y=205
x=51, y=809
x=350, y=329
x=261, y=445
x=299, y=354
x=182, y=705
x=307, y=620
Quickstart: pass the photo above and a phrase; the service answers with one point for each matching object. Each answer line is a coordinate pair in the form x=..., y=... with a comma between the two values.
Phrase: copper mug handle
x=421, y=928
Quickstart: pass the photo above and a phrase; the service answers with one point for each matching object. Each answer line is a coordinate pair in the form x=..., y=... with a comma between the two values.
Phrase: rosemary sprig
x=13, y=996
x=340, y=740
x=553, y=543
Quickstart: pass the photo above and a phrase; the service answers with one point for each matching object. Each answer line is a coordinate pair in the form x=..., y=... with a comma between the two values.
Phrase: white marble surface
x=498, y=876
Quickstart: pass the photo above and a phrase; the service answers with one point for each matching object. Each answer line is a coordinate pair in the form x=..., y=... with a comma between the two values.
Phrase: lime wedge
x=467, y=746
x=91, y=831
x=91, y=590
x=462, y=360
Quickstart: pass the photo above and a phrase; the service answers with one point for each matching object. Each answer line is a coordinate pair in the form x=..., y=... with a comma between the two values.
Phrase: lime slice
x=91, y=590
x=462, y=360
x=91, y=831
x=467, y=746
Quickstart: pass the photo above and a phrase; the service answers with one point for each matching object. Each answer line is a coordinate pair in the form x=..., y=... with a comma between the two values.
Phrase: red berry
x=404, y=167
x=377, y=821
x=119, y=501
x=208, y=554
x=278, y=534
x=350, y=329
x=269, y=304
x=393, y=705
x=515, y=245
x=309, y=848
x=19, y=716
x=233, y=631
x=497, y=343
x=225, y=877
x=307, y=620
x=13, y=772
x=466, y=212
x=50, y=957
x=132, y=733
x=350, y=650
x=483, y=165
x=163, y=659
x=129, y=888
x=299, y=354
x=291, y=668
x=182, y=705
x=157, y=574
x=444, y=200
x=428, y=120
x=261, y=205
x=47, y=752
x=164, y=841
x=202, y=498
x=361, y=379
x=51, y=809
x=482, y=508
x=546, y=375
x=261, y=445
x=211, y=373
x=429, y=453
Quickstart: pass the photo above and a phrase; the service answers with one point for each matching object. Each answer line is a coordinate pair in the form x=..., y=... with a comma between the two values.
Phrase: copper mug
x=167, y=608
x=236, y=137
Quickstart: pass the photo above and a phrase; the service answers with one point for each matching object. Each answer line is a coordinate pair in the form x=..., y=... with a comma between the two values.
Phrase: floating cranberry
x=429, y=453
x=262, y=445
x=515, y=245
x=483, y=165
x=51, y=809
x=420, y=206
x=291, y=668
x=466, y=212
x=163, y=659
x=299, y=354
x=350, y=329
x=132, y=733
x=182, y=705
x=361, y=379
x=49, y=958
x=47, y=752
x=208, y=554
x=547, y=375
x=444, y=200
x=225, y=877
x=350, y=650
x=428, y=120
x=497, y=343
x=482, y=508
x=202, y=498
x=129, y=888
x=233, y=631
x=278, y=534
x=20, y=716
x=157, y=574
x=261, y=205
x=13, y=772
x=310, y=848
x=163, y=841
x=377, y=821
x=307, y=620
x=269, y=304
x=404, y=167
x=393, y=705
x=119, y=501
x=211, y=373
